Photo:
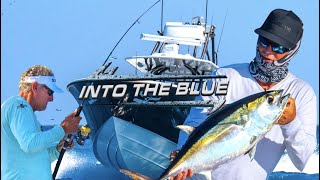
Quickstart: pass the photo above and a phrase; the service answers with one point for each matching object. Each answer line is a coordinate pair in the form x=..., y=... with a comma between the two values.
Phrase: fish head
x=276, y=97
x=268, y=108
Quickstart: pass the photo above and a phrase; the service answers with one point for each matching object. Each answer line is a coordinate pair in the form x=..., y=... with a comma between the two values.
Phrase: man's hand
x=182, y=175
x=70, y=123
x=61, y=143
x=289, y=113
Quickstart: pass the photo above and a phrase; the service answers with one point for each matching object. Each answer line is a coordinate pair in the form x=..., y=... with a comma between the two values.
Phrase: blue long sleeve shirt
x=26, y=151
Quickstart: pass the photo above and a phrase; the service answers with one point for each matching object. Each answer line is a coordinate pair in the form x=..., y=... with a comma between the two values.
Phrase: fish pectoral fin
x=252, y=151
x=185, y=128
x=253, y=139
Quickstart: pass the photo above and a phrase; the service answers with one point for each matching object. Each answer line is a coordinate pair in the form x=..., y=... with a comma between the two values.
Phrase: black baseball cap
x=282, y=27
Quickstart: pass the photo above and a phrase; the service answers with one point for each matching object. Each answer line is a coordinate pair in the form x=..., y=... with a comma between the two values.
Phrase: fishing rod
x=128, y=31
x=64, y=148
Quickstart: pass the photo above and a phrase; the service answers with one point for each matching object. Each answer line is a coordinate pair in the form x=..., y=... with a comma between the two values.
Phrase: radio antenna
x=225, y=17
x=161, y=16
x=206, y=11
x=128, y=31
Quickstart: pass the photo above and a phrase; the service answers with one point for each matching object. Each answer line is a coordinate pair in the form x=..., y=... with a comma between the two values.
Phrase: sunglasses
x=50, y=92
x=275, y=47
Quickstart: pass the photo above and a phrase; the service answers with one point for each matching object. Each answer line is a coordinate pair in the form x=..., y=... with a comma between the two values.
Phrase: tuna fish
x=232, y=131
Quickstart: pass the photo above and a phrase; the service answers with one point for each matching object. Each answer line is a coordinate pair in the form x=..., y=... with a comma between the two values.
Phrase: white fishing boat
x=136, y=130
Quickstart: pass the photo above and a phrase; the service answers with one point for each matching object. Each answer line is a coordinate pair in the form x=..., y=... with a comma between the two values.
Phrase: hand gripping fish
x=226, y=134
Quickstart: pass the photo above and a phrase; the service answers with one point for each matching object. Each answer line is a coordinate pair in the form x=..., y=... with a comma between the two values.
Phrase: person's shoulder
x=300, y=84
x=14, y=100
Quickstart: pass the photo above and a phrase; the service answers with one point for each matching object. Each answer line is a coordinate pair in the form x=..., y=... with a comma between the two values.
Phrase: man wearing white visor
x=50, y=81
x=26, y=150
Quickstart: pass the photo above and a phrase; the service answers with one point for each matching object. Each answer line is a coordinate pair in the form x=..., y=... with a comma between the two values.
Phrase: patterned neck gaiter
x=271, y=72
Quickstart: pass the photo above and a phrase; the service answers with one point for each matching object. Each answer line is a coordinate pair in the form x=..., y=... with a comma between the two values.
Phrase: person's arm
x=25, y=129
x=53, y=153
x=300, y=134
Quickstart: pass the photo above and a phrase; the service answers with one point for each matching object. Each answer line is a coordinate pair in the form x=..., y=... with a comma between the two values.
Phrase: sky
x=74, y=38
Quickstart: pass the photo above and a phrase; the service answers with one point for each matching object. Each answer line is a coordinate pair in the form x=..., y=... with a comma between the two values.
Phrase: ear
x=34, y=87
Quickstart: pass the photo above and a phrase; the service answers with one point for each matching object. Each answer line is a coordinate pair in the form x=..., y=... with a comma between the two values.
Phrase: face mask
x=271, y=72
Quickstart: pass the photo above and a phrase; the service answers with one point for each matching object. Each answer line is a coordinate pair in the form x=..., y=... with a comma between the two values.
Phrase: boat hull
x=123, y=145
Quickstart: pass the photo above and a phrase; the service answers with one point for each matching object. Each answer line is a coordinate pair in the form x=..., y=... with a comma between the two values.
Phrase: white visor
x=49, y=81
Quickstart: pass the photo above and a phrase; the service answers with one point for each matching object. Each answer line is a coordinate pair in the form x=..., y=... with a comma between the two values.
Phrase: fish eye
x=270, y=99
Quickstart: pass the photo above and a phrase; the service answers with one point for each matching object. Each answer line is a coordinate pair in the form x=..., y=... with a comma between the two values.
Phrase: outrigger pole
x=128, y=31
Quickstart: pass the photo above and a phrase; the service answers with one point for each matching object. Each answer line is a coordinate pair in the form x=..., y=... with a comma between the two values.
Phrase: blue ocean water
x=80, y=164
x=293, y=176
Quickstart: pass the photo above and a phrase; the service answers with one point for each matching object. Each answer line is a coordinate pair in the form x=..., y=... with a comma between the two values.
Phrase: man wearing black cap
x=26, y=151
x=279, y=40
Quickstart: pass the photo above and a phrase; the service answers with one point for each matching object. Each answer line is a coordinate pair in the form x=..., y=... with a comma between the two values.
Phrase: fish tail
x=134, y=175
